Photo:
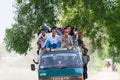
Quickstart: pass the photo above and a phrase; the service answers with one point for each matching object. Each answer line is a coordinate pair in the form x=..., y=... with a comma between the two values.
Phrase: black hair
x=68, y=26
x=72, y=32
x=42, y=30
x=85, y=49
x=53, y=28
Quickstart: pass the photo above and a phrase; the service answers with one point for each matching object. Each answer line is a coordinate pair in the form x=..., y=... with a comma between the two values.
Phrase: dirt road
x=16, y=67
x=105, y=74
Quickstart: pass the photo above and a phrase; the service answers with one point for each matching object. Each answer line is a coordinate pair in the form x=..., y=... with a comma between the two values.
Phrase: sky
x=6, y=16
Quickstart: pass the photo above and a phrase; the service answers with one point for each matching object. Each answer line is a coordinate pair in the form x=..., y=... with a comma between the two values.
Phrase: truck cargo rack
x=74, y=47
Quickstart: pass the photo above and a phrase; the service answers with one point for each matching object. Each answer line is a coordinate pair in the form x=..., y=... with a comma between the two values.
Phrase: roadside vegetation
x=99, y=19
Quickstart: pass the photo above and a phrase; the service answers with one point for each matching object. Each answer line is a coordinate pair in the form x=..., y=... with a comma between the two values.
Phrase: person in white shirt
x=53, y=40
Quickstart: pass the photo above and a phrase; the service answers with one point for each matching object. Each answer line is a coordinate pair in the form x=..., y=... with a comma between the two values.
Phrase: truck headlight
x=80, y=77
x=40, y=79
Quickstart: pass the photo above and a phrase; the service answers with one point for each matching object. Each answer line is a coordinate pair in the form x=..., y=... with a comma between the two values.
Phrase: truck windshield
x=59, y=60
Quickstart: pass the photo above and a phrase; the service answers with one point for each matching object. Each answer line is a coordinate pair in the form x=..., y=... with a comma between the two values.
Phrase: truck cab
x=60, y=65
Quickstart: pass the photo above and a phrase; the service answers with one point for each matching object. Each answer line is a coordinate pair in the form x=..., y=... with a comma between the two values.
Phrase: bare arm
x=35, y=61
x=71, y=41
x=77, y=36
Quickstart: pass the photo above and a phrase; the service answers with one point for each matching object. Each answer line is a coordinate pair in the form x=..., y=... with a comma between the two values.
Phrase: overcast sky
x=6, y=16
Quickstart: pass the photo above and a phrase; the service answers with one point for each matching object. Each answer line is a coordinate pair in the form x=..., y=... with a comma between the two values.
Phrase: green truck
x=60, y=65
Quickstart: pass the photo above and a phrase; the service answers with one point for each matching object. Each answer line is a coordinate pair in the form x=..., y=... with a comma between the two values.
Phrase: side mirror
x=32, y=67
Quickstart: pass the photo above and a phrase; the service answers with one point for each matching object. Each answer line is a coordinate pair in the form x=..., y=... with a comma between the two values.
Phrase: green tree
x=99, y=19
x=30, y=16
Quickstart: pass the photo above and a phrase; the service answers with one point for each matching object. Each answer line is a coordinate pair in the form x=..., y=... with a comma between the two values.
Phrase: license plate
x=60, y=78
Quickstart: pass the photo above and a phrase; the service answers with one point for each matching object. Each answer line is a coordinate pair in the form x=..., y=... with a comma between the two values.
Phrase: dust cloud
x=16, y=67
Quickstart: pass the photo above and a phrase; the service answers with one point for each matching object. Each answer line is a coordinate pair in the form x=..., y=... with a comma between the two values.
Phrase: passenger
x=79, y=39
x=66, y=39
x=59, y=64
x=86, y=59
x=108, y=64
x=66, y=60
x=55, y=61
x=53, y=40
x=68, y=27
x=75, y=29
x=72, y=31
x=45, y=62
x=114, y=66
x=42, y=38
x=46, y=29
x=74, y=61
x=59, y=31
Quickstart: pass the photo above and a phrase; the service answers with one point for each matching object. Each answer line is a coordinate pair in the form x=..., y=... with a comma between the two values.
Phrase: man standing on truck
x=79, y=39
x=86, y=59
